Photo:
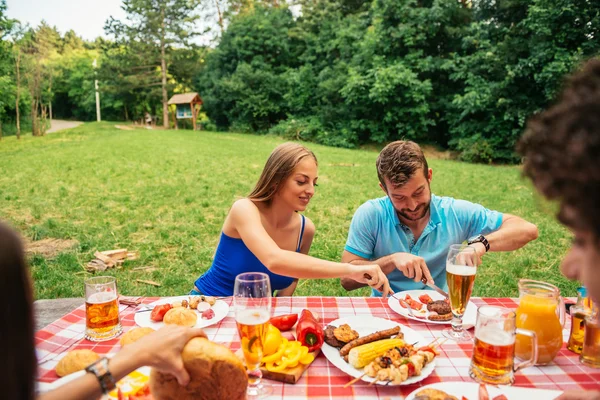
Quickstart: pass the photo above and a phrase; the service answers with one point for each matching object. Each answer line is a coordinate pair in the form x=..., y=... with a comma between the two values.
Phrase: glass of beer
x=494, y=348
x=461, y=268
x=252, y=306
x=590, y=354
x=101, y=309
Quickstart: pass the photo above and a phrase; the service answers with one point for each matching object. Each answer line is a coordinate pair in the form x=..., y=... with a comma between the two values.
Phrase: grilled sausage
x=373, y=337
x=438, y=317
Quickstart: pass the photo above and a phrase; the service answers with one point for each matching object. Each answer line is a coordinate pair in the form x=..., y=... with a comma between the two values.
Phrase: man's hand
x=412, y=266
x=480, y=250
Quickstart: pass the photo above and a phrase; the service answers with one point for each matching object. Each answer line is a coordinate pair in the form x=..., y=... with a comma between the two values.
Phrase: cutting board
x=289, y=375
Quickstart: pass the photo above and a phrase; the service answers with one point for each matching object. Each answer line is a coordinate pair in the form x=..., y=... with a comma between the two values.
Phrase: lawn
x=166, y=193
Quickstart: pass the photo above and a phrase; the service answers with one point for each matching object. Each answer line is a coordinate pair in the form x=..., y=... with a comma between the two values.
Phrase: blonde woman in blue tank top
x=264, y=232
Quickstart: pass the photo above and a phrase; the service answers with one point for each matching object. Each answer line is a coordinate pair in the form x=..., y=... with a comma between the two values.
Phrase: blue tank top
x=233, y=258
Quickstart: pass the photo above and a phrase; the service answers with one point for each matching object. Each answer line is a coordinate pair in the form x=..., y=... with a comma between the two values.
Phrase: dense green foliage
x=465, y=74
x=166, y=195
x=461, y=74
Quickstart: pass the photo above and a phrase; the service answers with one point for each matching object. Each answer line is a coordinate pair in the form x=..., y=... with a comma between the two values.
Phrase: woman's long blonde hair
x=278, y=168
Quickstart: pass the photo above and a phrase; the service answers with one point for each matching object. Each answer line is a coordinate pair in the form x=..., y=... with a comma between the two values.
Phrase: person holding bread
x=264, y=232
x=161, y=350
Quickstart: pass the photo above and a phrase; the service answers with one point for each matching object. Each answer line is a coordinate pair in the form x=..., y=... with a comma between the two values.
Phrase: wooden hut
x=187, y=105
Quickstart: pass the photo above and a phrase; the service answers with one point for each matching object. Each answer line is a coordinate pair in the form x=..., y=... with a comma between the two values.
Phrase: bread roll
x=74, y=361
x=134, y=335
x=181, y=316
x=215, y=374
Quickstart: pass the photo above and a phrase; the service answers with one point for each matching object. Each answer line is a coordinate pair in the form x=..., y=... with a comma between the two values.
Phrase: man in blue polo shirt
x=408, y=232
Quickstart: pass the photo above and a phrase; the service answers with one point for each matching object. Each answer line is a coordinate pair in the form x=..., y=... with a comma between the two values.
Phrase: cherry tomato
x=411, y=369
x=158, y=313
x=284, y=322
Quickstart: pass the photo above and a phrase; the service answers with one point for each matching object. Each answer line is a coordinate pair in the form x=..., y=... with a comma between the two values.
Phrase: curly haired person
x=561, y=147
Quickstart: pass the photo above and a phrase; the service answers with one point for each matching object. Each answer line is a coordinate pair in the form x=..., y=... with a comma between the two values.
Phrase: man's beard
x=415, y=217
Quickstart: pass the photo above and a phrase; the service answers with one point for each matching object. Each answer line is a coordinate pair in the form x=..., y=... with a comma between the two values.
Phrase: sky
x=85, y=17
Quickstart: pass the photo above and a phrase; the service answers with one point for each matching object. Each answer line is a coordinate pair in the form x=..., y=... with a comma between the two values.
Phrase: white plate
x=220, y=308
x=366, y=325
x=136, y=379
x=468, y=319
x=471, y=391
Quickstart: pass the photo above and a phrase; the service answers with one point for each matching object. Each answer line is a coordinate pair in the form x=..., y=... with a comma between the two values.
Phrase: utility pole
x=94, y=64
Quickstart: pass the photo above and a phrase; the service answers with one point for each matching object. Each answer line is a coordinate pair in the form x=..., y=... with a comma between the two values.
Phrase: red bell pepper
x=284, y=322
x=309, y=332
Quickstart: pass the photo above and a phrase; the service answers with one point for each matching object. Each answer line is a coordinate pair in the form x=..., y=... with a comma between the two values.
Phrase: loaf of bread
x=134, y=335
x=75, y=360
x=181, y=316
x=215, y=374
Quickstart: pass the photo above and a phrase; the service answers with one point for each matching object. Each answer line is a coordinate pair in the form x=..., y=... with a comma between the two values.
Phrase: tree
x=153, y=29
x=5, y=58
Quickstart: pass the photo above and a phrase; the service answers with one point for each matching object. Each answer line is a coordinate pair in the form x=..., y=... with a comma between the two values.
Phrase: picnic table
x=322, y=380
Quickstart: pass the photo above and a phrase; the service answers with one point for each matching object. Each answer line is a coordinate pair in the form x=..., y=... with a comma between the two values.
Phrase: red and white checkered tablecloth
x=322, y=380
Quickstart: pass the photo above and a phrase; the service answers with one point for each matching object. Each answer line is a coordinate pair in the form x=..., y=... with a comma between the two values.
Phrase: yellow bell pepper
x=278, y=354
x=272, y=340
x=271, y=366
x=307, y=359
x=294, y=355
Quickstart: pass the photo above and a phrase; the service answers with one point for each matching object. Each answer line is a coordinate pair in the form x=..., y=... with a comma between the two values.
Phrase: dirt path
x=59, y=125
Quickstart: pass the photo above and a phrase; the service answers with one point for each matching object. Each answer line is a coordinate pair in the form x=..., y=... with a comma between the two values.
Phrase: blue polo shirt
x=376, y=231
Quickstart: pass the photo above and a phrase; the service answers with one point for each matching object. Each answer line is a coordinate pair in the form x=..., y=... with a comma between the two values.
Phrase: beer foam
x=252, y=317
x=495, y=337
x=101, y=297
x=461, y=270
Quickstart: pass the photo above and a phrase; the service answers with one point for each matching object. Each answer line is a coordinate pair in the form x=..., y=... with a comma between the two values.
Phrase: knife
x=435, y=287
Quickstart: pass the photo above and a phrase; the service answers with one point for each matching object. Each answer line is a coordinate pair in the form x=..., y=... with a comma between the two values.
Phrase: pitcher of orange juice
x=541, y=309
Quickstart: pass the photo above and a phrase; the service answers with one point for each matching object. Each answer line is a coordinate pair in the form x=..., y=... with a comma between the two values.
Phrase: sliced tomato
x=483, y=392
x=402, y=303
x=464, y=398
x=415, y=305
x=500, y=397
x=407, y=297
x=284, y=322
x=425, y=299
x=158, y=312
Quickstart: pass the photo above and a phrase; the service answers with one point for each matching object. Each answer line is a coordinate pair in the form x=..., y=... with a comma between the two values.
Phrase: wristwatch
x=480, y=239
x=105, y=378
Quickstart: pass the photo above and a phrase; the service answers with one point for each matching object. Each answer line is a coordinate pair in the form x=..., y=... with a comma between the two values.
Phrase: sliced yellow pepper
x=278, y=354
x=294, y=356
x=271, y=366
x=307, y=359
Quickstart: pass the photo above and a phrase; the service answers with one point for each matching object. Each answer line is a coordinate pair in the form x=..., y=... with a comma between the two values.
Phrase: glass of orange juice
x=541, y=309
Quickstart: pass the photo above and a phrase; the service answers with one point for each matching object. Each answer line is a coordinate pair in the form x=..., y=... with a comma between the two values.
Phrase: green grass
x=166, y=194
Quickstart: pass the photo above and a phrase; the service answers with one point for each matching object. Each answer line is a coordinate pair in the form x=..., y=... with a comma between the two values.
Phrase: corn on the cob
x=363, y=355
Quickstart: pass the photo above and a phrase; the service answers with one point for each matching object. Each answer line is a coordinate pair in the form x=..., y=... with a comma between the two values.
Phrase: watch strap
x=481, y=239
x=100, y=369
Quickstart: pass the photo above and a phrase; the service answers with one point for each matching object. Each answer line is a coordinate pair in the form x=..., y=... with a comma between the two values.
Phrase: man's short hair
x=399, y=161
x=562, y=150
